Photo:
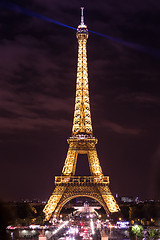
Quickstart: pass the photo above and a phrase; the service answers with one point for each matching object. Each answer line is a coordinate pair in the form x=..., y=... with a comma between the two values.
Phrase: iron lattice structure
x=69, y=186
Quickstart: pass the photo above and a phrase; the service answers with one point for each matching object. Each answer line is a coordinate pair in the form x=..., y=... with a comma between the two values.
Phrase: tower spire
x=82, y=116
x=82, y=17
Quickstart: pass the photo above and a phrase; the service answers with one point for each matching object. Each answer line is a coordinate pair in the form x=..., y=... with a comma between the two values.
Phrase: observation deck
x=81, y=180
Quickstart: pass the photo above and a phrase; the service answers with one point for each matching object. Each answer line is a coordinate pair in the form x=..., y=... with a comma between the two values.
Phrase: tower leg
x=94, y=163
x=53, y=201
x=70, y=162
x=108, y=198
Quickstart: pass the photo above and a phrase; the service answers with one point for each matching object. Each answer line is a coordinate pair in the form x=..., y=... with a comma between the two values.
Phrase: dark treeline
x=21, y=213
x=24, y=213
x=145, y=213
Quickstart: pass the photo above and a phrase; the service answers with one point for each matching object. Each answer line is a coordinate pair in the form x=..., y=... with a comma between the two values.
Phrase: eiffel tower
x=82, y=141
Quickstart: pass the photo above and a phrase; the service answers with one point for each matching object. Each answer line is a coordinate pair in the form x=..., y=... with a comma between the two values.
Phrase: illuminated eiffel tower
x=69, y=186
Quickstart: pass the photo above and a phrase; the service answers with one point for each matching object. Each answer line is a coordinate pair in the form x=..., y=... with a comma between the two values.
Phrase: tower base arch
x=68, y=188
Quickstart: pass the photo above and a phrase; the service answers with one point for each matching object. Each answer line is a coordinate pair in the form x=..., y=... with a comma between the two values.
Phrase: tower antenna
x=82, y=17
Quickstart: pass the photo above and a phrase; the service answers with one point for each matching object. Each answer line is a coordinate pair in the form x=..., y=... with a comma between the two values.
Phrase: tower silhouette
x=82, y=141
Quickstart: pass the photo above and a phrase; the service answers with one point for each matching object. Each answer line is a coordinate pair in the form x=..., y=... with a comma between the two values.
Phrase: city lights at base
x=123, y=224
x=73, y=230
x=34, y=226
x=60, y=227
x=92, y=227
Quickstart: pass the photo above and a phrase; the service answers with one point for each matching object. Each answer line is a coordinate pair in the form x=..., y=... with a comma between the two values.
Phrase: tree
x=154, y=234
x=131, y=234
x=138, y=231
x=5, y=218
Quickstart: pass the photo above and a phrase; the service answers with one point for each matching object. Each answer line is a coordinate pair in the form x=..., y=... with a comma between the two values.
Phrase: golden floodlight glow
x=69, y=186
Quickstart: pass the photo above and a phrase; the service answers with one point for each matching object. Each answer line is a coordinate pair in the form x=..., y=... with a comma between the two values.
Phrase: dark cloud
x=37, y=89
x=117, y=128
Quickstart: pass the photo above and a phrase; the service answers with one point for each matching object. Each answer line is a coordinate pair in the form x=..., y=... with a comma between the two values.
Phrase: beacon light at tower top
x=16, y=8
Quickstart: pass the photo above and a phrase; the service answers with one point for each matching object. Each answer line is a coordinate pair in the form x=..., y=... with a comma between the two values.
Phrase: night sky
x=37, y=91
